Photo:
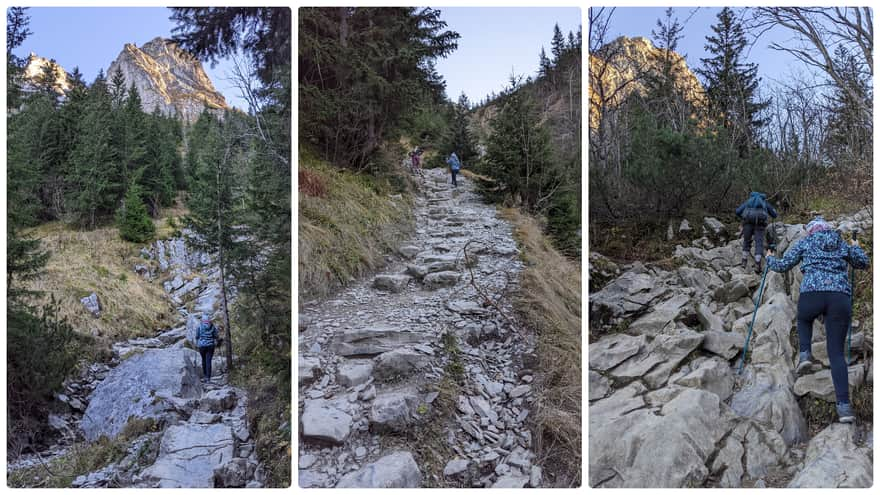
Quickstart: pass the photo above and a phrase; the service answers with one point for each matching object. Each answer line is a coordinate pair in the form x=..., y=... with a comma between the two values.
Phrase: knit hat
x=818, y=224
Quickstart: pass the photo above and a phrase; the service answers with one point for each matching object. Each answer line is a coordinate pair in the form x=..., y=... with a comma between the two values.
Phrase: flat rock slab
x=713, y=375
x=441, y=279
x=833, y=460
x=599, y=386
x=189, y=454
x=399, y=363
x=391, y=283
x=323, y=422
x=375, y=340
x=612, y=350
x=131, y=389
x=396, y=470
x=309, y=367
x=409, y=251
x=664, y=314
x=820, y=385
x=463, y=307
x=724, y=344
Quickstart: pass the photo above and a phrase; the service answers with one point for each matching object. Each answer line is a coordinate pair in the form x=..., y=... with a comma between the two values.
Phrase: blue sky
x=773, y=65
x=497, y=40
x=92, y=38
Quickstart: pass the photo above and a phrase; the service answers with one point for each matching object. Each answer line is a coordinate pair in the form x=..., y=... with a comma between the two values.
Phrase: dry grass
x=99, y=261
x=550, y=303
x=345, y=234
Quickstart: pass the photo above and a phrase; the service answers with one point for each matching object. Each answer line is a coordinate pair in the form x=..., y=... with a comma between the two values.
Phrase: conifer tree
x=544, y=65
x=730, y=83
x=461, y=141
x=132, y=219
x=93, y=164
x=557, y=44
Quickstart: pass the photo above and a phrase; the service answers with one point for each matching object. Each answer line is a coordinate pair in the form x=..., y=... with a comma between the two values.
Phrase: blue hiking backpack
x=756, y=211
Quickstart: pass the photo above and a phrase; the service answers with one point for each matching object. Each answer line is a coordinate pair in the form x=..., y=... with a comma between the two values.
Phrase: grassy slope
x=347, y=222
x=99, y=261
x=550, y=303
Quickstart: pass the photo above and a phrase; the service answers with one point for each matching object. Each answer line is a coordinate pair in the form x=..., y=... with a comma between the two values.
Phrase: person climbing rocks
x=754, y=214
x=825, y=290
x=454, y=166
x=205, y=338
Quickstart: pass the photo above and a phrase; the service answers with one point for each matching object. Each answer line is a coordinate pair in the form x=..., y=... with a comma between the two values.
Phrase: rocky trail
x=180, y=432
x=665, y=346
x=420, y=376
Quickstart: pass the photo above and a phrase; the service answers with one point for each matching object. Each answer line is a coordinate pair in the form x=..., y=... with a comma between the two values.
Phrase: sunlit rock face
x=618, y=69
x=35, y=71
x=169, y=79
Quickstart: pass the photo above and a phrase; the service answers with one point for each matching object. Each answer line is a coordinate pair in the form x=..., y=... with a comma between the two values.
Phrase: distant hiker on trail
x=206, y=337
x=754, y=214
x=824, y=257
x=454, y=167
x=416, y=160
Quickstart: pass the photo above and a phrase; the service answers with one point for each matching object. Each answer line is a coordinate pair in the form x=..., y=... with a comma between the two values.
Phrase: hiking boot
x=758, y=267
x=845, y=413
x=804, y=362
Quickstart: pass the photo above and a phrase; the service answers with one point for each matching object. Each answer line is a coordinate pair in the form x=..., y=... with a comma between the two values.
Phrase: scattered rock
x=322, y=421
x=396, y=470
x=92, y=304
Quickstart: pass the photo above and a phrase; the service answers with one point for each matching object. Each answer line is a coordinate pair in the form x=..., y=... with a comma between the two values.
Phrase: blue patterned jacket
x=823, y=257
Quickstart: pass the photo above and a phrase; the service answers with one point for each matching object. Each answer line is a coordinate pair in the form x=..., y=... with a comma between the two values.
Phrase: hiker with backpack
x=206, y=337
x=454, y=166
x=824, y=257
x=754, y=214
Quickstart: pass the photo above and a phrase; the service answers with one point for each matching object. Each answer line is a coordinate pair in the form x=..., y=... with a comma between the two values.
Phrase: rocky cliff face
x=168, y=78
x=35, y=71
x=617, y=70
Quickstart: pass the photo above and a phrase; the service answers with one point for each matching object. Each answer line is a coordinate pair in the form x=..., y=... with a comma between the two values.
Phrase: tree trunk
x=222, y=263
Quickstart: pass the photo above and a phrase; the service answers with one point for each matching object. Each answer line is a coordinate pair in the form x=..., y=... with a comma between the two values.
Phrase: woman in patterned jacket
x=824, y=258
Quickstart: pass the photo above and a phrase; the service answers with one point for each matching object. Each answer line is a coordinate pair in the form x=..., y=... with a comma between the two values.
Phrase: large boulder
x=663, y=316
x=663, y=447
x=750, y=450
x=713, y=228
x=713, y=375
x=92, y=304
x=189, y=454
x=657, y=361
x=395, y=470
x=766, y=396
x=142, y=386
x=724, y=344
x=627, y=294
x=833, y=460
x=391, y=283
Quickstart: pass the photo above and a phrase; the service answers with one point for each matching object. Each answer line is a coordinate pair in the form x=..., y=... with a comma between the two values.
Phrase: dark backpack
x=756, y=213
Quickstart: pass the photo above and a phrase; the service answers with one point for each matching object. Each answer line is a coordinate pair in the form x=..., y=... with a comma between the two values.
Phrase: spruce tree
x=731, y=84
x=557, y=44
x=132, y=219
x=544, y=65
x=93, y=162
x=460, y=139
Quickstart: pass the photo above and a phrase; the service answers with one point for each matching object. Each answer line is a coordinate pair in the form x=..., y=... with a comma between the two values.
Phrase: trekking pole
x=852, y=297
x=752, y=324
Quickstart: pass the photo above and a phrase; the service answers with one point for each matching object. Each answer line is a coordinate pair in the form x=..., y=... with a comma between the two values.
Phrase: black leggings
x=750, y=230
x=837, y=308
x=207, y=354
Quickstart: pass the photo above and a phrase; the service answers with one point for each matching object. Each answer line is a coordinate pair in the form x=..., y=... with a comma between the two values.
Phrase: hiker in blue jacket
x=754, y=214
x=825, y=290
x=206, y=336
x=454, y=166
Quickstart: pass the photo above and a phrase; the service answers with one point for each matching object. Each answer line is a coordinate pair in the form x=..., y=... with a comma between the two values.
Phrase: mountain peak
x=168, y=78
